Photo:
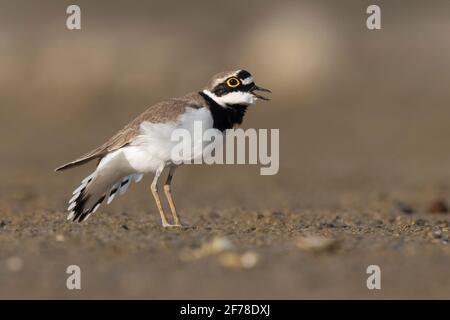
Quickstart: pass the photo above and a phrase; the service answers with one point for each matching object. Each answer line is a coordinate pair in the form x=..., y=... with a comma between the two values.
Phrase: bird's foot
x=176, y=225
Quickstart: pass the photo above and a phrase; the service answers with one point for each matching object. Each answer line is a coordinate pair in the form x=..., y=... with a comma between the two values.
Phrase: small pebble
x=14, y=264
x=215, y=246
x=249, y=259
x=437, y=234
x=406, y=209
x=316, y=244
x=438, y=206
x=234, y=260
x=420, y=222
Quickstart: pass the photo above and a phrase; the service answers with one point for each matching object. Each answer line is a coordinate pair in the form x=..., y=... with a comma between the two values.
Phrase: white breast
x=152, y=148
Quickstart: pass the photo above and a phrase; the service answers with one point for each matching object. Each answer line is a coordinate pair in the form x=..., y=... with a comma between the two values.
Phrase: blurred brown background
x=360, y=113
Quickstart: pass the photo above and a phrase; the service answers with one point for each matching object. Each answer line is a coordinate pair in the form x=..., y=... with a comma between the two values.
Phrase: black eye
x=233, y=82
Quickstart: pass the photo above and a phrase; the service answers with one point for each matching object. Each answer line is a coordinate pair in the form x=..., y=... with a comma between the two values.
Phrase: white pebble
x=14, y=264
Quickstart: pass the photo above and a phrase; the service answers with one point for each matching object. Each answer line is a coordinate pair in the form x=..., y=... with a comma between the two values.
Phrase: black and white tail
x=94, y=190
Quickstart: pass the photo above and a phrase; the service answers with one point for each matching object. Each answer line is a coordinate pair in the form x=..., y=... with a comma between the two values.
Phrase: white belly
x=153, y=147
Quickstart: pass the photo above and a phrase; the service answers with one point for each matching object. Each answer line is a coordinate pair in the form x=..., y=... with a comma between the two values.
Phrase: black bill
x=256, y=88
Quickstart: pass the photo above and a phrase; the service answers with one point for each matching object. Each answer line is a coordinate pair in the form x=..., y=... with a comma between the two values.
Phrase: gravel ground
x=227, y=253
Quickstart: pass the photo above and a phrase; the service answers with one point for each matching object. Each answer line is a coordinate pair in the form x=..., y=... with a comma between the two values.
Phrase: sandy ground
x=370, y=217
x=128, y=255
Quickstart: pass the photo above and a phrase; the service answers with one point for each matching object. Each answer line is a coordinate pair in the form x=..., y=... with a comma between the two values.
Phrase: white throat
x=236, y=97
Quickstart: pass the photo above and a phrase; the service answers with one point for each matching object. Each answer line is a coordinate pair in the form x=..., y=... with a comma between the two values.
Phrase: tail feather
x=81, y=205
x=124, y=185
x=112, y=193
x=112, y=176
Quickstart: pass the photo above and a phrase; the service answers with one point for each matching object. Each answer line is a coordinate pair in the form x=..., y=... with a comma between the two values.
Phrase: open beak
x=256, y=88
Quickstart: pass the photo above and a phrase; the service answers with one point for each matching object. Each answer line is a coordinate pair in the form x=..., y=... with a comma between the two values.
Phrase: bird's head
x=234, y=88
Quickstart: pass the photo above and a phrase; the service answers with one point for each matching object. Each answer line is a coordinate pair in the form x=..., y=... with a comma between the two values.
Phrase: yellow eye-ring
x=233, y=82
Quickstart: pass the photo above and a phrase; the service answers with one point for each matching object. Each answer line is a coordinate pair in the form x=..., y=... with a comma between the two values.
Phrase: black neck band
x=224, y=117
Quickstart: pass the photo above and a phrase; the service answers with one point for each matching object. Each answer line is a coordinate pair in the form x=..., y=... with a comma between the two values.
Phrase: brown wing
x=161, y=112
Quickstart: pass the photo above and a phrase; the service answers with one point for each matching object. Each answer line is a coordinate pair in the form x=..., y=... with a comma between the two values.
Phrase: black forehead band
x=243, y=74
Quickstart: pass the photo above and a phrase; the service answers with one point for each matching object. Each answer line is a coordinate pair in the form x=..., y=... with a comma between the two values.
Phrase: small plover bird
x=144, y=145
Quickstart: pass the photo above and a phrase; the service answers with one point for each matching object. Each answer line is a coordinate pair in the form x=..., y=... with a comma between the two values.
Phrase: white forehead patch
x=247, y=81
